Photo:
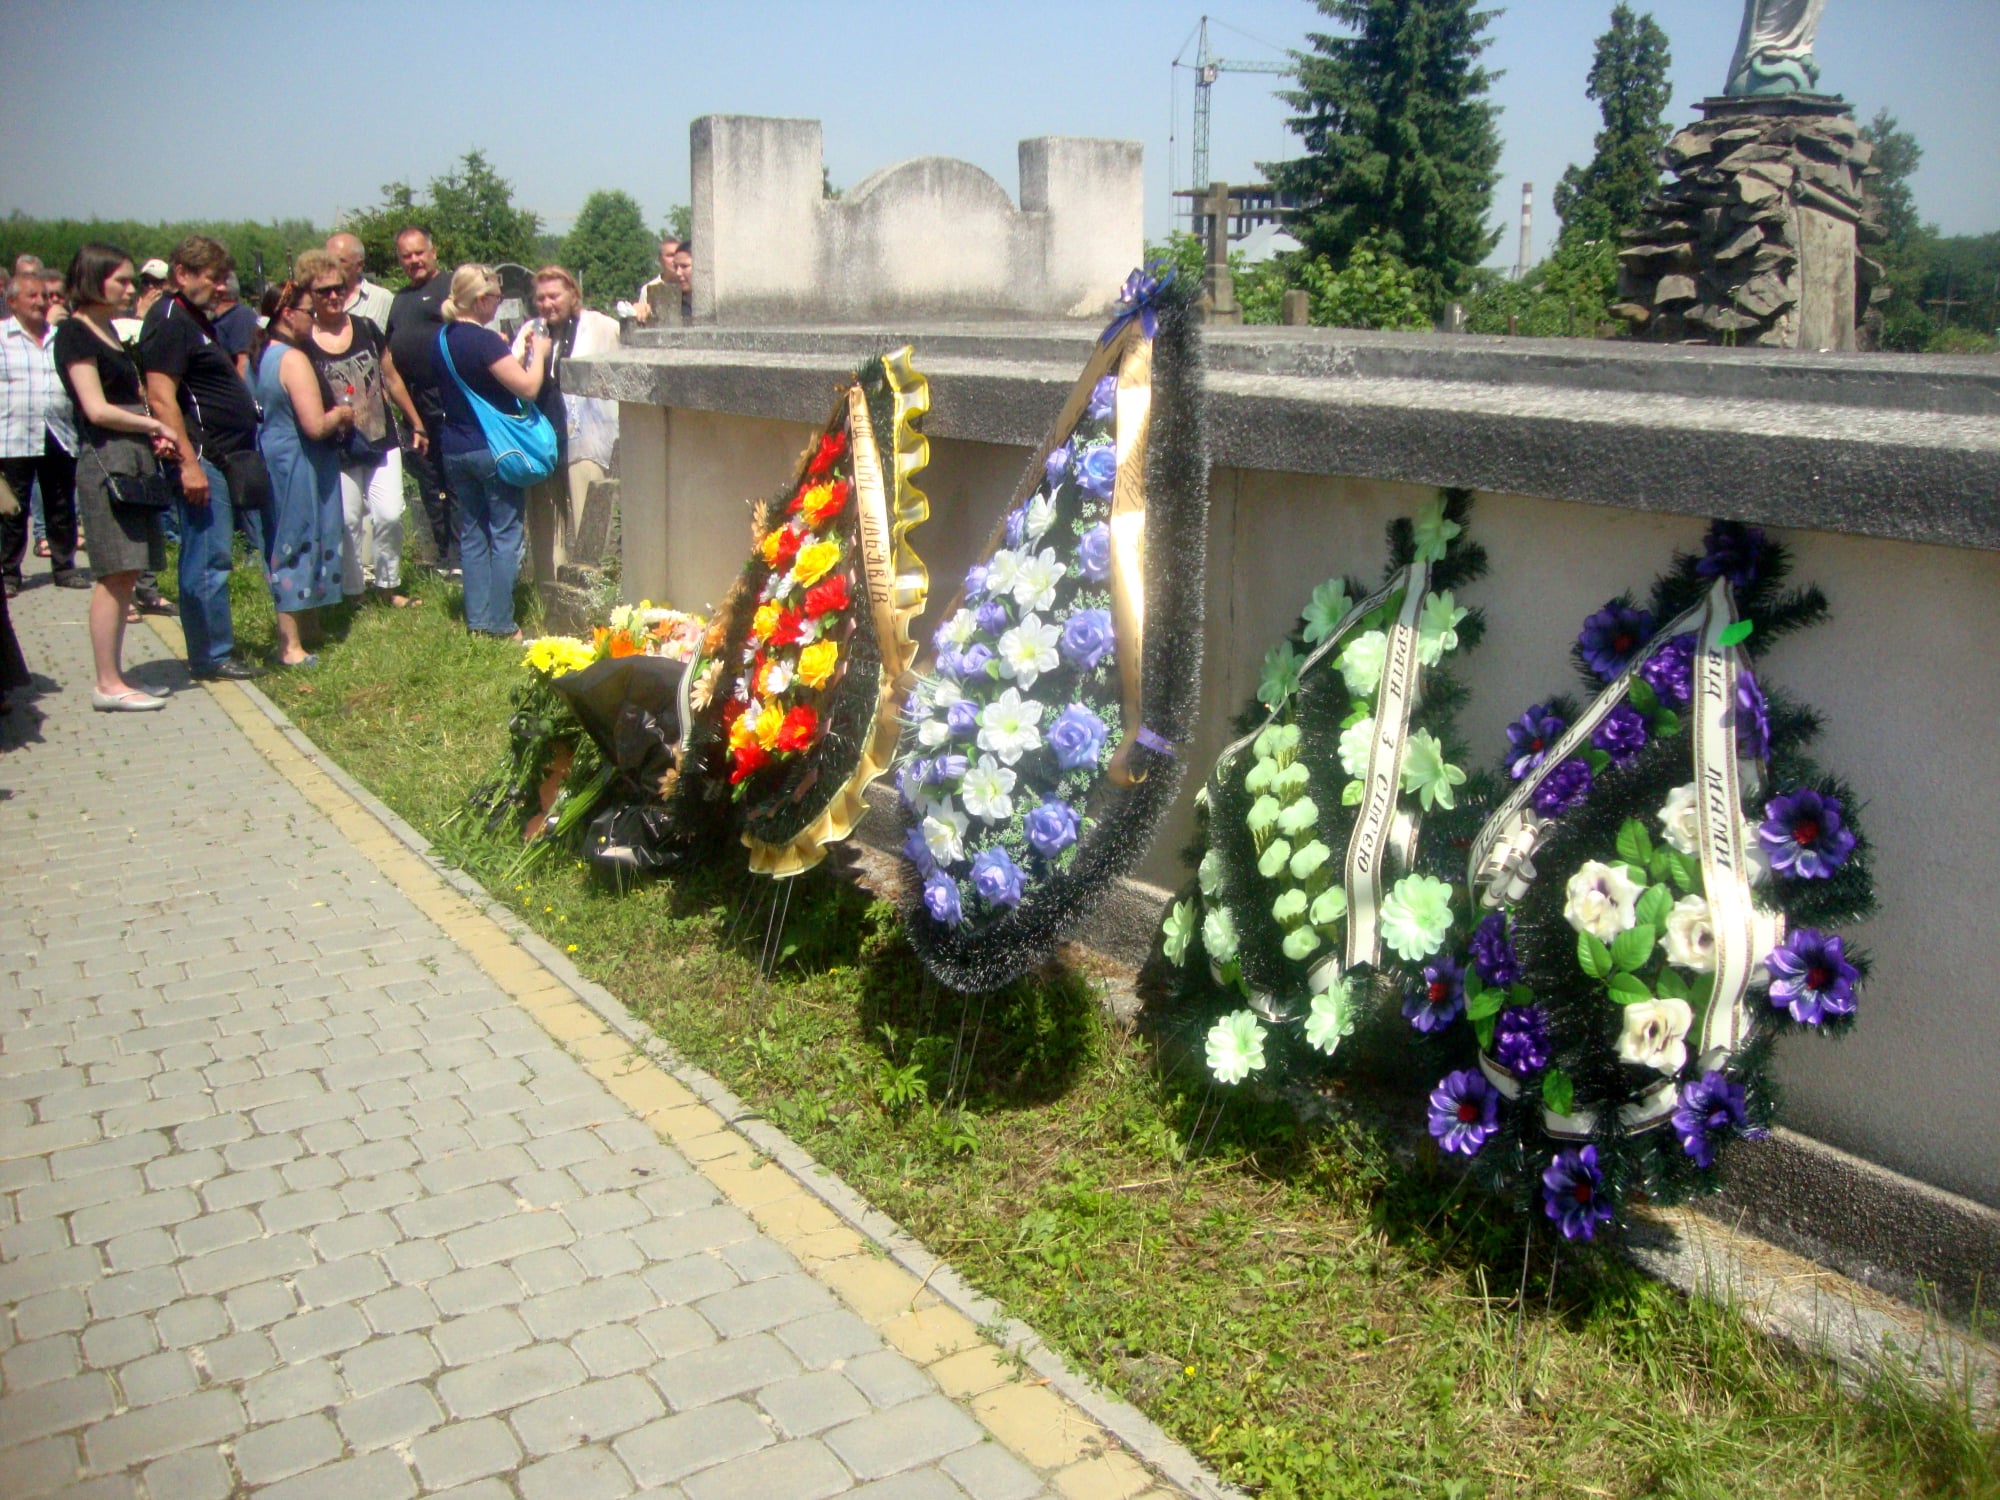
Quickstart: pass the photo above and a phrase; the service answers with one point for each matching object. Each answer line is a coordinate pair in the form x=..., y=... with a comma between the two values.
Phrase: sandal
x=42, y=547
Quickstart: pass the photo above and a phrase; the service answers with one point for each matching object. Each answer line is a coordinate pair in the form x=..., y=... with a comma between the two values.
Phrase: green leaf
x=1670, y=985
x=1350, y=795
x=1558, y=1093
x=1636, y=873
x=1483, y=1029
x=1652, y=908
x=1634, y=843
x=1642, y=696
x=1628, y=989
x=1656, y=867
x=1631, y=948
x=1666, y=724
x=1597, y=759
x=1489, y=1003
x=1681, y=870
x=1520, y=994
x=1592, y=956
x=1735, y=635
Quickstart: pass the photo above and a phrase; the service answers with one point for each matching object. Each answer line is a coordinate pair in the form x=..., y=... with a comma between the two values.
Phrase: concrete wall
x=1904, y=673
x=933, y=237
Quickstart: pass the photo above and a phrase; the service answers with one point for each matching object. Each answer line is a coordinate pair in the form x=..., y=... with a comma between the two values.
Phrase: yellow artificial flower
x=768, y=724
x=743, y=731
x=764, y=621
x=816, y=663
x=809, y=503
x=773, y=539
x=555, y=655
x=814, y=562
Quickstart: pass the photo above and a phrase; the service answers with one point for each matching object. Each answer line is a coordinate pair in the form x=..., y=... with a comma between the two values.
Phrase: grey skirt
x=122, y=538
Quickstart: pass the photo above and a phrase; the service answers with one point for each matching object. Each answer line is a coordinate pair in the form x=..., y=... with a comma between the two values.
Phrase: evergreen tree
x=1402, y=149
x=609, y=249
x=1628, y=80
x=469, y=211
x=1906, y=250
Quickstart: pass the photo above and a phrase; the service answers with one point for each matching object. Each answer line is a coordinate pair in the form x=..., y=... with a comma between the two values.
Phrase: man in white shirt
x=37, y=437
x=364, y=298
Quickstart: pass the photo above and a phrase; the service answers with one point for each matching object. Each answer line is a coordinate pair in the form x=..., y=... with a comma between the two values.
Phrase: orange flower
x=621, y=645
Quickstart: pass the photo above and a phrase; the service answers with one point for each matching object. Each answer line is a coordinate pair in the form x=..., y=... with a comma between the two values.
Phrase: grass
x=1312, y=1310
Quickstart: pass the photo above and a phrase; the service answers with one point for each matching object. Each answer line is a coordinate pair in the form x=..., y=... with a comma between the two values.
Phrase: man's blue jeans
x=206, y=534
x=489, y=540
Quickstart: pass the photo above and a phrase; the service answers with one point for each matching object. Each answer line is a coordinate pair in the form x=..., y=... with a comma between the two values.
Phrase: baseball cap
x=154, y=270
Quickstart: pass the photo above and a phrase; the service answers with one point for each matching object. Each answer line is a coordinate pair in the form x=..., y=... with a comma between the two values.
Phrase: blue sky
x=237, y=110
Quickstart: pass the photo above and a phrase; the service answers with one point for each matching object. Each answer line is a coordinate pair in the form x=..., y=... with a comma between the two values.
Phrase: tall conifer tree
x=1402, y=147
x=1628, y=80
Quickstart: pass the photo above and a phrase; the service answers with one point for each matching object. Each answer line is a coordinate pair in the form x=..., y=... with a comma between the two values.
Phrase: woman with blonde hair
x=586, y=428
x=489, y=511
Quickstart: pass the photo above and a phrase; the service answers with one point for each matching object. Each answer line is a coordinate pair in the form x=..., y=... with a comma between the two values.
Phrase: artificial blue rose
x=963, y=718
x=991, y=617
x=996, y=877
x=1077, y=737
x=941, y=898
x=1051, y=828
x=1098, y=472
x=946, y=768
x=917, y=852
x=973, y=659
x=1093, y=554
x=1056, y=467
x=1086, y=638
x=1017, y=523
x=1103, y=399
x=975, y=583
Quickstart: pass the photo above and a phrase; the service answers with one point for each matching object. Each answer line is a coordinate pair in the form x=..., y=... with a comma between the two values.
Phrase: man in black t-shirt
x=193, y=387
x=415, y=316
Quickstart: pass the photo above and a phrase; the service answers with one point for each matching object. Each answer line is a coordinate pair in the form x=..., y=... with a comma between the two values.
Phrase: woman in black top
x=118, y=439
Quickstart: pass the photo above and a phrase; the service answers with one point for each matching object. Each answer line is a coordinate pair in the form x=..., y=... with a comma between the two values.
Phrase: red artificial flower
x=827, y=595
x=786, y=631
x=750, y=759
x=788, y=548
x=797, y=732
x=831, y=502
x=832, y=447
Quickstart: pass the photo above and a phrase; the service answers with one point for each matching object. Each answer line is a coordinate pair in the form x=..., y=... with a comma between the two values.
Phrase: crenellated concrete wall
x=930, y=238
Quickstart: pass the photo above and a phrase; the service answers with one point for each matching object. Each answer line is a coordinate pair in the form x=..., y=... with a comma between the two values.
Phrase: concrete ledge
x=1903, y=447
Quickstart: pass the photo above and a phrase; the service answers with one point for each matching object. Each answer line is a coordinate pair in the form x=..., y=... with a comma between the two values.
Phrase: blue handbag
x=523, y=445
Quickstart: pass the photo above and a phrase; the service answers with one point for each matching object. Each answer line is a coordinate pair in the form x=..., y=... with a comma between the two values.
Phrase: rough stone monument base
x=571, y=600
x=1755, y=240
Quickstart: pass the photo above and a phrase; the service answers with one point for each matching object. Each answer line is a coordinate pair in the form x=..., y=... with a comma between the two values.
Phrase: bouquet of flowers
x=1659, y=895
x=1041, y=750
x=1316, y=902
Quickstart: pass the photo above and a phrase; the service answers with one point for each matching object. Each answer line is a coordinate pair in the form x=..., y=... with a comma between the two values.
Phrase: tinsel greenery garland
x=1028, y=781
x=1570, y=1067
x=1262, y=983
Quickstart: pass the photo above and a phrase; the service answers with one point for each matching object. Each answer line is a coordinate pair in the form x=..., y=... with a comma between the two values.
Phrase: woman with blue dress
x=301, y=440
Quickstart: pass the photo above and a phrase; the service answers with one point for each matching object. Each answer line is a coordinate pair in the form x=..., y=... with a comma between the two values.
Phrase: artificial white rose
x=930, y=734
x=1600, y=900
x=1260, y=776
x=1355, y=741
x=1677, y=819
x=1361, y=663
x=1690, y=939
x=1271, y=863
x=1655, y=1035
x=1299, y=817
x=1290, y=908
x=1300, y=942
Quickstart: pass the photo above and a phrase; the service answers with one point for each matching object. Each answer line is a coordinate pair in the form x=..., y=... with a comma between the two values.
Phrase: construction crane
x=1207, y=68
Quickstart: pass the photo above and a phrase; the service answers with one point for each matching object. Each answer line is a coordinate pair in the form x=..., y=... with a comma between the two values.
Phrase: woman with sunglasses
x=301, y=440
x=347, y=351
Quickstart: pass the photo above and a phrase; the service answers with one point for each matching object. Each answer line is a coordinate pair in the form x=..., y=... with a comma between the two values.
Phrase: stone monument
x=1756, y=239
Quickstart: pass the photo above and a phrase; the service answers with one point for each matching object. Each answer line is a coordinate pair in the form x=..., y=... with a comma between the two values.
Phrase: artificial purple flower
x=1521, y=1040
x=1708, y=1107
x=1669, y=671
x=941, y=898
x=946, y=768
x=1573, y=1194
x=1103, y=398
x=1753, y=718
x=975, y=583
x=1811, y=977
x=910, y=781
x=1056, y=467
x=1804, y=835
x=1086, y=639
x=1621, y=735
x=1734, y=551
x=1493, y=952
x=1098, y=471
x=1563, y=788
x=962, y=718
x=1017, y=527
x=1529, y=738
x=1465, y=1110
x=973, y=659
x=991, y=617
x=1093, y=554
x=1612, y=637
x=1433, y=1004
x=917, y=852
x=996, y=877
x=1051, y=827
x=1077, y=737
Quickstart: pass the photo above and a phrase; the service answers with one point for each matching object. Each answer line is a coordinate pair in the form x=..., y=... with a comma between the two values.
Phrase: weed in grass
x=1311, y=1306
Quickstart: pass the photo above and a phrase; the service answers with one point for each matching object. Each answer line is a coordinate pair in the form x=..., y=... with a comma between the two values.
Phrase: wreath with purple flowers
x=1039, y=750
x=1662, y=893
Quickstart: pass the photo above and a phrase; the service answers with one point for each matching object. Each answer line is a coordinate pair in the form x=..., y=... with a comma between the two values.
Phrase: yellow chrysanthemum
x=816, y=663
x=555, y=655
x=743, y=731
x=815, y=562
x=764, y=621
x=768, y=724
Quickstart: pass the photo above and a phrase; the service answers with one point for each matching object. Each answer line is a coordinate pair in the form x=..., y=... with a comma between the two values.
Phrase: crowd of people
x=148, y=405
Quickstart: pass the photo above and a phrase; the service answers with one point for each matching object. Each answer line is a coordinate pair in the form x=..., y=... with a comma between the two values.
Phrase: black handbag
x=140, y=484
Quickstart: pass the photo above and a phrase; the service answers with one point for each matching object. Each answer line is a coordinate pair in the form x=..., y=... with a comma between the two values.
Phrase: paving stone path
x=314, y=1184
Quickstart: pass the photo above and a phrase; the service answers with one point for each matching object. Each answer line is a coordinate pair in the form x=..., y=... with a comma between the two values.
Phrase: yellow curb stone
x=749, y=1186
x=797, y=1219
x=932, y=1333
x=1111, y=1476
x=876, y=1289
x=830, y=1245
x=970, y=1371
x=572, y=1022
x=605, y=1046
x=724, y=1146
x=686, y=1125
x=1037, y=1424
x=648, y=1090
